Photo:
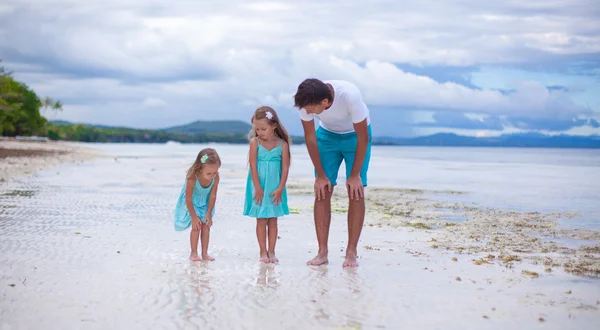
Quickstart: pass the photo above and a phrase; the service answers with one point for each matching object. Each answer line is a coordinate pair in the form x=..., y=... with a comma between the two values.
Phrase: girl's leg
x=194, y=236
x=205, y=237
x=272, y=223
x=261, y=235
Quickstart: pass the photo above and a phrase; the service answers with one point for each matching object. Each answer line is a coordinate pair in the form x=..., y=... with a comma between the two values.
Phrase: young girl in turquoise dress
x=196, y=203
x=266, y=194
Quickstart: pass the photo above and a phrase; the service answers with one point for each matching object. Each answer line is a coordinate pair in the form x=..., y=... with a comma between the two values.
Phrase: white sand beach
x=28, y=157
x=91, y=245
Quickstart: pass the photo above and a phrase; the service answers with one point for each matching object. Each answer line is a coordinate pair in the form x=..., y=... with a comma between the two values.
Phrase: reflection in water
x=356, y=288
x=354, y=281
x=199, y=298
x=319, y=285
x=267, y=276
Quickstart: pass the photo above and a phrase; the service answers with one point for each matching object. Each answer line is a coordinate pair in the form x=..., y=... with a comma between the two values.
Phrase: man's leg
x=322, y=215
x=331, y=159
x=356, y=209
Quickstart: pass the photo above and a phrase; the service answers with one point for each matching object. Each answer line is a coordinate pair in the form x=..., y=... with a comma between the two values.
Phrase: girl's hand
x=196, y=223
x=209, y=221
x=276, y=194
x=258, y=195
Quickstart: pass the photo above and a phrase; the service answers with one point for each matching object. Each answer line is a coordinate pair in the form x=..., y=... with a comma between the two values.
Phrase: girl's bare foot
x=318, y=260
x=272, y=258
x=206, y=257
x=264, y=258
x=195, y=257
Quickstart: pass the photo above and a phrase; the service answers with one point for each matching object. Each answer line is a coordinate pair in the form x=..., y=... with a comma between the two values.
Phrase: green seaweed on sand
x=416, y=225
x=21, y=193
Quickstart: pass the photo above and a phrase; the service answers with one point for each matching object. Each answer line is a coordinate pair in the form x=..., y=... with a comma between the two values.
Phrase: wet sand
x=19, y=158
x=92, y=245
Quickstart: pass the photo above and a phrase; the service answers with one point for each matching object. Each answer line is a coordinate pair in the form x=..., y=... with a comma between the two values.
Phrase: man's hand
x=355, y=187
x=322, y=184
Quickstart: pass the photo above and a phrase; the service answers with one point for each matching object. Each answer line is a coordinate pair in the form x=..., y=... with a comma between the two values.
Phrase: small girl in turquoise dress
x=196, y=203
x=266, y=194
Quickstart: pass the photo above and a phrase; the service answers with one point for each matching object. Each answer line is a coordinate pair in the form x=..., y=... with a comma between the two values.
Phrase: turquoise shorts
x=334, y=147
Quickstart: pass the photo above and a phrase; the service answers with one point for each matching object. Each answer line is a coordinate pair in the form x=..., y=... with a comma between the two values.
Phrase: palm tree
x=48, y=102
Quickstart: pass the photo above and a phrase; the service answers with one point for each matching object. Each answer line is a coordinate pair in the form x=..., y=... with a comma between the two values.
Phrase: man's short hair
x=311, y=92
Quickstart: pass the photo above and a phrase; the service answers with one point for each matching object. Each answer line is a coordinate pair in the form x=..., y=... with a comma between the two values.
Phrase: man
x=344, y=133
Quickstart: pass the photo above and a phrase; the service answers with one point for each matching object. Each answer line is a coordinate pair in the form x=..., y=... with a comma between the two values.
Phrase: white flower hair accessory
x=269, y=115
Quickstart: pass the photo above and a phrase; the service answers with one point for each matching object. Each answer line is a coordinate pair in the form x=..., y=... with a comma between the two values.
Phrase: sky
x=470, y=67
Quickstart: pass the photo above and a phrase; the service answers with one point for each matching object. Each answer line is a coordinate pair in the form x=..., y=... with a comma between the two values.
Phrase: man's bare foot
x=350, y=261
x=195, y=257
x=318, y=260
x=206, y=257
x=272, y=258
x=264, y=258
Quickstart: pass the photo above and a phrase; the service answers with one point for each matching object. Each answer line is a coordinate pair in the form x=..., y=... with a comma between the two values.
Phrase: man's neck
x=332, y=95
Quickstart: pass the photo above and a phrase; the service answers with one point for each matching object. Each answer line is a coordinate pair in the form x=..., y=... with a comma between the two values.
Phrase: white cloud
x=154, y=102
x=183, y=57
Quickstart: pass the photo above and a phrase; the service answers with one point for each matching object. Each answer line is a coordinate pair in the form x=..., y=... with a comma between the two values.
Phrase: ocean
x=523, y=179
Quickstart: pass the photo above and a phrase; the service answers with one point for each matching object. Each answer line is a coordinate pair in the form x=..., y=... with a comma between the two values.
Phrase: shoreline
x=486, y=235
x=23, y=158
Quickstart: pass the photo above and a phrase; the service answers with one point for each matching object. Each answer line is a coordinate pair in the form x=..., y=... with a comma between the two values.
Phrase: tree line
x=83, y=133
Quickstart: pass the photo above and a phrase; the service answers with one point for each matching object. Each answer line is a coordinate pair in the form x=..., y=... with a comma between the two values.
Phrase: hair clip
x=269, y=115
x=204, y=158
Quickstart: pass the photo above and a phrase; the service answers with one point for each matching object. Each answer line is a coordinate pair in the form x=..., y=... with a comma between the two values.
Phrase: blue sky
x=464, y=66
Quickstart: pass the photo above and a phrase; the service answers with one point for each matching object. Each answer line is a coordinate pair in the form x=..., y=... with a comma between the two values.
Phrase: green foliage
x=19, y=109
x=83, y=133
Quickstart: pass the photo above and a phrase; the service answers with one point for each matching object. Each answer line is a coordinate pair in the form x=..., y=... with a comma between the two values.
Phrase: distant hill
x=197, y=127
x=61, y=122
x=524, y=140
x=212, y=127
x=235, y=131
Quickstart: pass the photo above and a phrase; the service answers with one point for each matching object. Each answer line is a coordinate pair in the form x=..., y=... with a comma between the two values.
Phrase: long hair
x=212, y=158
x=280, y=131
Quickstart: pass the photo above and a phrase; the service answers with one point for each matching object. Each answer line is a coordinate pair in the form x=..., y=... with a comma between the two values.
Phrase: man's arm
x=359, y=114
x=362, y=133
x=310, y=138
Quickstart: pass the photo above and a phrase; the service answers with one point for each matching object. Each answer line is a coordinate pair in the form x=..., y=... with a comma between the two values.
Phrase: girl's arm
x=253, y=169
x=285, y=165
x=212, y=199
x=189, y=190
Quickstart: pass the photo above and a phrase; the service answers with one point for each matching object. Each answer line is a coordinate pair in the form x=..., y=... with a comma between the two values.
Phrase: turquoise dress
x=200, y=197
x=268, y=166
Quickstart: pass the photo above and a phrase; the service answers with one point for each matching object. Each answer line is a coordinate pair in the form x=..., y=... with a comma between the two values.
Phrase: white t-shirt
x=347, y=109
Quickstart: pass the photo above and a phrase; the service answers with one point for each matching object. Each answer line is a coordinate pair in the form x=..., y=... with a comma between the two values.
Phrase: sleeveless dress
x=200, y=196
x=268, y=166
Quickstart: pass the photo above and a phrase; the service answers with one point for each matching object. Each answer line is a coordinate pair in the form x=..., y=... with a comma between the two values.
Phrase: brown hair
x=212, y=158
x=280, y=131
x=310, y=92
